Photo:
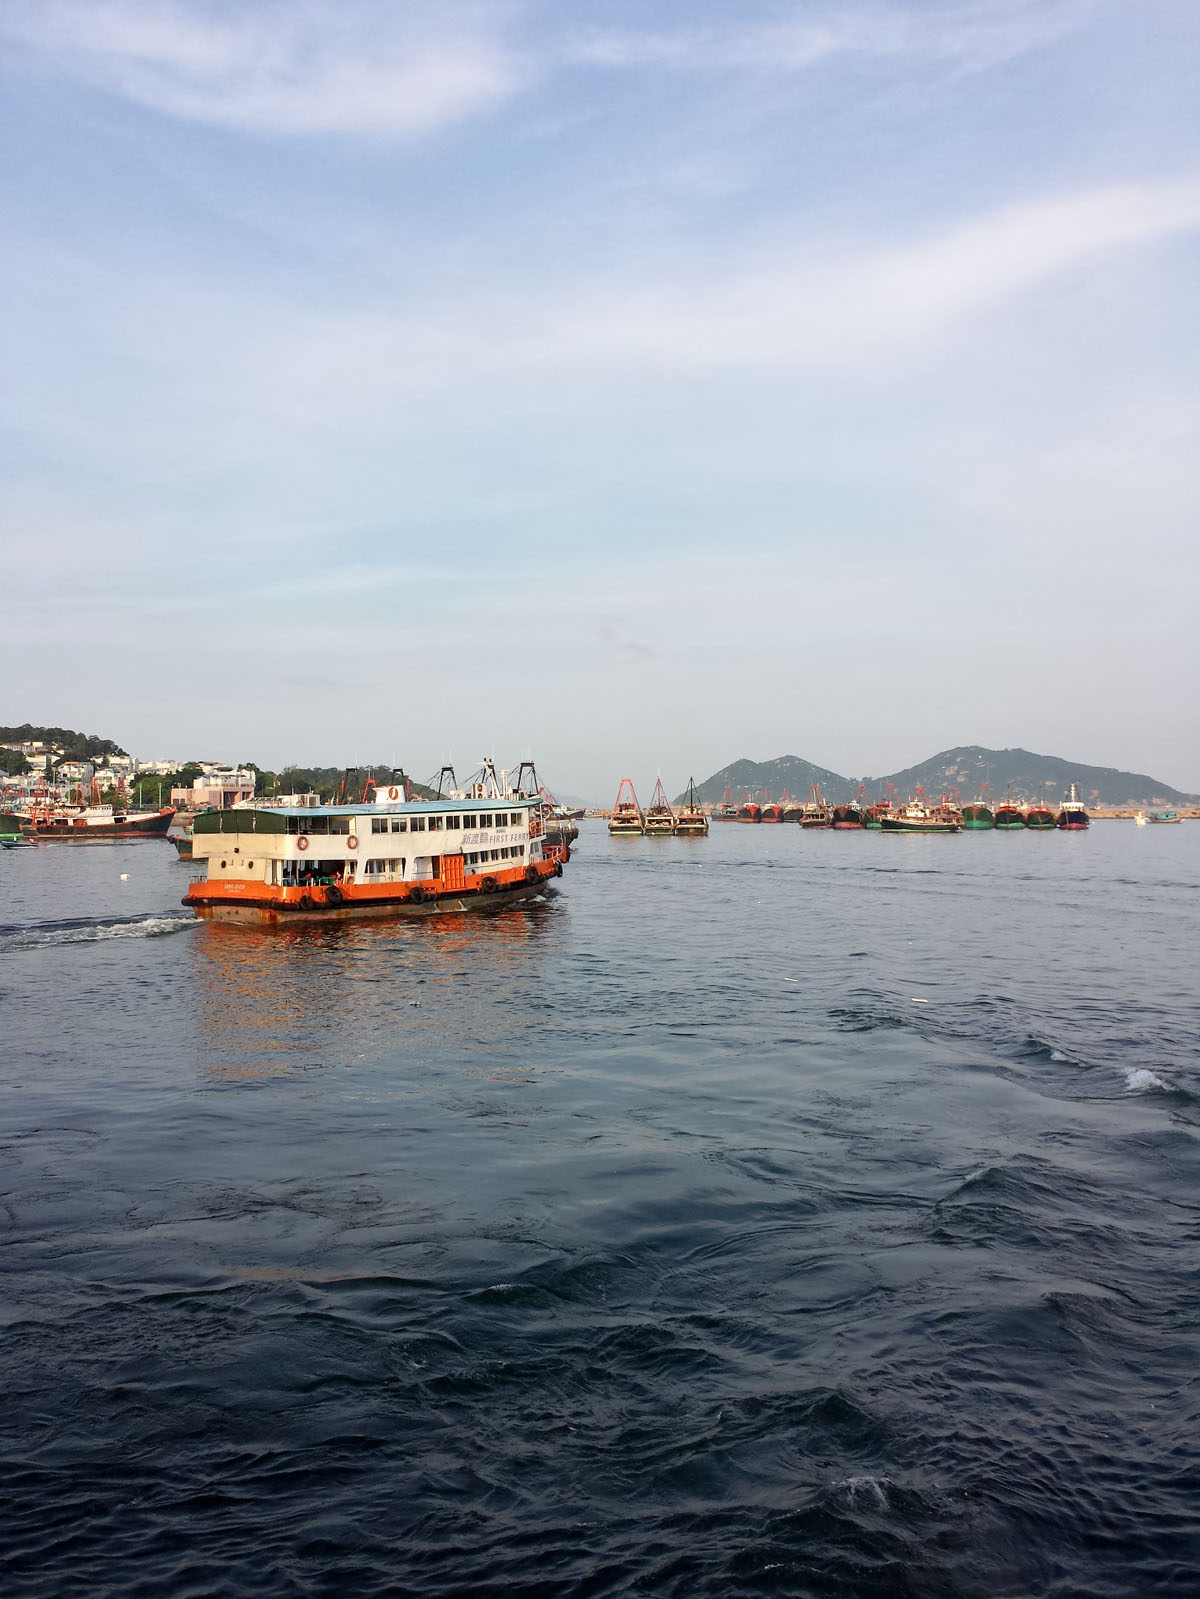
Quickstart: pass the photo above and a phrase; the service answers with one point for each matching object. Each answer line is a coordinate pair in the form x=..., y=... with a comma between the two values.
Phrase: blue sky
x=641, y=386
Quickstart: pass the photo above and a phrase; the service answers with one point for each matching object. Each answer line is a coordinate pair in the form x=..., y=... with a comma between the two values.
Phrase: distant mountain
x=966, y=768
x=784, y=772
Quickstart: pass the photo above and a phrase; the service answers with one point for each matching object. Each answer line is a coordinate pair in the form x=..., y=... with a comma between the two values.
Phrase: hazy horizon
x=618, y=385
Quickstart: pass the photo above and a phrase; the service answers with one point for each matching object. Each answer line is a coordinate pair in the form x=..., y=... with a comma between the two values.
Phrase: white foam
x=1141, y=1081
x=1057, y=1054
x=868, y=1487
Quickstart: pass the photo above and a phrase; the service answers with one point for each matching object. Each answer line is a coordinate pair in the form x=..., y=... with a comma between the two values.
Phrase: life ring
x=333, y=895
x=417, y=895
x=532, y=874
x=352, y=841
x=393, y=793
x=533, y=832
x=489, y=885
x=302, y=842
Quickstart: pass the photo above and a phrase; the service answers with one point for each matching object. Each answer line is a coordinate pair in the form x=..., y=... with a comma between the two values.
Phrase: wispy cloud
x=969, y=36
x=300, y=68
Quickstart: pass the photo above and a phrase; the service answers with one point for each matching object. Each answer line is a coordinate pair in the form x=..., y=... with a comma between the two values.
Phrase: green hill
x=966, y=768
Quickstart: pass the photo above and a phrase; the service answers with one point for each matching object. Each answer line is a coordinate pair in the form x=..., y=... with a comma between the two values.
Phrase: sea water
x=774, y=1213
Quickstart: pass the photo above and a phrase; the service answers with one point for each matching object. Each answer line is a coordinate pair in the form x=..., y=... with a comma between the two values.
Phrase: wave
x=91, y=930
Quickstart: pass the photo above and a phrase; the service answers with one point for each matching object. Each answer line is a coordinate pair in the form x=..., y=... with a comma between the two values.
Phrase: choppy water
x=773, y=1214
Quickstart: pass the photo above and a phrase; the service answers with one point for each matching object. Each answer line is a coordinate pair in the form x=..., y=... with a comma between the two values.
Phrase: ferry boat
x=627, y=819
x=660, y=818
x=691, y=821
x=1073, y=812
x=389, y=856
x=918, y=817
x=816, y=812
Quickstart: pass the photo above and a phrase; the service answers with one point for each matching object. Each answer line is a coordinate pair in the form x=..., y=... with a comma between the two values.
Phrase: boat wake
x=89, y=930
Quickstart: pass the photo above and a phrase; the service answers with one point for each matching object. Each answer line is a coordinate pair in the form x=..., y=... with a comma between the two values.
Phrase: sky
x=637, y=387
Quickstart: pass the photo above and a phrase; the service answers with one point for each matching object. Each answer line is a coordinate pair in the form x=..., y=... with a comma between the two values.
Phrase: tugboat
x=771, y=812
x=726, y=811
x=978, y=815
x=1073, y=812
x=691, y=821
x=660, y=818
x=816, y=812
x=918, y=817
x=390, y=856
x=748, y=811
x=627, y=820
x=1009, y=815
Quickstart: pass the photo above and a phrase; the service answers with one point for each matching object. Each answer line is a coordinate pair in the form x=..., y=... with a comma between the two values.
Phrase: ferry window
x=485, y=821
x=453, y=823
x=417, y=824
x=514, y=820
x=379, y=824
x=435, y=824
x=470, y=821
x=399, y=824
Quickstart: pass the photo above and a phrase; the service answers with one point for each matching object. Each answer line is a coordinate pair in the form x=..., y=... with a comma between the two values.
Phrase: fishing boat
x=627, y=819
x=1009, y=815
x=660, y=818
x=816, y=812
x=978, y=816
x=1072, y=813
x=389, y=856
x=1039, y=816
x=59, y=820
x=691, y=822
x=749, y=810
x=1164, y=816
x=918, y=817
x=771, y=810
x=726, y=811
x=853, y=815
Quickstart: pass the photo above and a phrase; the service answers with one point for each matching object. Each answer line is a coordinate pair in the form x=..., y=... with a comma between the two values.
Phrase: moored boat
x=816, y=812
x=12, y=834
x=772, y=811
x=749, y=810
x=691, y=822
x=978, y=815
x=627, y=819
x=1039, y=816
x=726, y=811
x=660, y=818
x=383, y=857
x=1165, y=816
x=918, y=817
x=853, y=814
x=1009, y=815
x=58, y=821
x=1072, y=812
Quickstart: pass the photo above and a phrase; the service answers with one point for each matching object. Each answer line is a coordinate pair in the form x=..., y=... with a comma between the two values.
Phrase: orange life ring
x=533, y=829
x=393, y=793
x=302, y=842
x=352, y=841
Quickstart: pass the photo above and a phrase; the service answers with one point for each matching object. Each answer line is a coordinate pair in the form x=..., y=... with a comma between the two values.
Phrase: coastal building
x=216, y=788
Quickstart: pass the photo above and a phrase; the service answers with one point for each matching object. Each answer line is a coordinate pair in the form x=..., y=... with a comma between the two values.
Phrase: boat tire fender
x=532, y=874
x=417, y=895
x=558, y=868
x=489, y=885
x=333, y=895
x=305, y=902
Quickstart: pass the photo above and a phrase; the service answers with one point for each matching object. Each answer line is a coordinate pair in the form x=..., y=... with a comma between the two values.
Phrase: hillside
x=966, y=768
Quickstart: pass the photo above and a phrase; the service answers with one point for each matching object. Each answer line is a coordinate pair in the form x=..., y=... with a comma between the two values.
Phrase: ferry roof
x=389, y=807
